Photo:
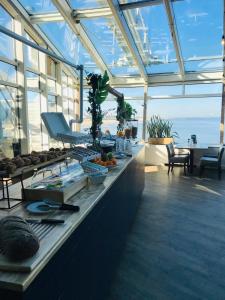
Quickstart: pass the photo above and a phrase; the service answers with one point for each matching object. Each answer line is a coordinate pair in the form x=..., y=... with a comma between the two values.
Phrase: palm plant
x=160, y=128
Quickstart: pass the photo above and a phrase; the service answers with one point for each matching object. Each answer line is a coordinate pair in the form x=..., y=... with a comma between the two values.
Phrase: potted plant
x=125, y=116
x=97, y=94
x=160, y=131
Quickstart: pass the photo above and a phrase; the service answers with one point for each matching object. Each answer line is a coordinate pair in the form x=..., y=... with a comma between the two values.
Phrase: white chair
x=59, y=130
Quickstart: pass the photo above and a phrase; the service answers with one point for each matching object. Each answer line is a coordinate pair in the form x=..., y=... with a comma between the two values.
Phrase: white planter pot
x=155, y=155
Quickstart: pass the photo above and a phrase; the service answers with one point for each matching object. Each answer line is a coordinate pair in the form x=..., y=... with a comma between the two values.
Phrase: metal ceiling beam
x=207, y=77
x=139, y=4
x=92, y=13
x=43, y=18
x=168, y=79
x=174, y=35
x=193, y=96
x=66, y=11
x=37, y=47
x=126, y=33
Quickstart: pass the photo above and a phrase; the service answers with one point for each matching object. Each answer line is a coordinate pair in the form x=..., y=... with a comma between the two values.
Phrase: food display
x=34, y=158
x=93, y=168
x=84, y=154
x=106, y=160
x=60, y=186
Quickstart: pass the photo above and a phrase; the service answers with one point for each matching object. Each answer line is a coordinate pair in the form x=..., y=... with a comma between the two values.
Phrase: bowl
x=97, y=178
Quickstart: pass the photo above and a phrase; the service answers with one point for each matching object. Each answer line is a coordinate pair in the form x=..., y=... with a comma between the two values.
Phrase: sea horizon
x=207, y=129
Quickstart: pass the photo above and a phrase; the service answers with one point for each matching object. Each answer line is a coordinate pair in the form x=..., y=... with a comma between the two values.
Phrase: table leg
x=191, y=161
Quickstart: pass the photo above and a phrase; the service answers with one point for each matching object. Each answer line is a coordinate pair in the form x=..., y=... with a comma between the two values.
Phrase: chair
x=176, y=158
x=212, y=161
x=59, y=130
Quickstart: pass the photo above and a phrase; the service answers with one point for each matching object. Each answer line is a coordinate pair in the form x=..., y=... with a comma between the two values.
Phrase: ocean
x=206, y=129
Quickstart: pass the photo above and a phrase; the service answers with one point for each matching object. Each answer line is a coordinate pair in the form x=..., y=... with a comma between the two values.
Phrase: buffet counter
x=77, y=259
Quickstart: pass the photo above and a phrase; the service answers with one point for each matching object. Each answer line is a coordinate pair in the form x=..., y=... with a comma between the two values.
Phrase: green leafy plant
x=124, y=112
x=97, y=95
x=160, y=128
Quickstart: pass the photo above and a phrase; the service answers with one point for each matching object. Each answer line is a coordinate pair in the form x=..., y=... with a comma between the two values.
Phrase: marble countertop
x=87, y=198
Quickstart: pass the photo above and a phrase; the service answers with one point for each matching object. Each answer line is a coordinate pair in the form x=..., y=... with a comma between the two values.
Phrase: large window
x=6, y=43
x=134, y=96
x=7, y=72
x=9, y=132
x=34, y=124
x=69, y=95
x=31, y=55
x=193, y=109
x=8, y=119
x=51, y=83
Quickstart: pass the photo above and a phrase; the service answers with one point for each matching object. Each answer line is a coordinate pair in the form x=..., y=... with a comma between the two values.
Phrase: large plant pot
x=160, y=141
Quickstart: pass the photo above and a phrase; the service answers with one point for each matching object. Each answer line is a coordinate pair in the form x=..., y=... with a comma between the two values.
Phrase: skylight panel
x=150, y=29
x=200, y=28
x=38, y=6
x=109, y=42
x=65, y=40
x=204, y=65
x=87, y=4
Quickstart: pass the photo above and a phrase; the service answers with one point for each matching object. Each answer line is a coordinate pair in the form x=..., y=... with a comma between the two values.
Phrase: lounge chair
x=59, y=130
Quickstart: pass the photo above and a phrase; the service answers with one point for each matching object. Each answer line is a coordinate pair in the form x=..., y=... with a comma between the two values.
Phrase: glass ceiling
x=198, y=29
x=69, y=45
x=38, y=6
x=87, y=4
x=109, y=42
x=150, y=29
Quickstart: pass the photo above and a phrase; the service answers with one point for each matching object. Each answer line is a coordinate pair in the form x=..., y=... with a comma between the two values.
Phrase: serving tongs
x=47, y=204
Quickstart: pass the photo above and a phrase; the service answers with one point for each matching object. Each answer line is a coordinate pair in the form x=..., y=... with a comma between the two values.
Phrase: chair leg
x=201, y=171
x=172, y=168
x=185, y=169
x=168, y=169
x=219, y=173
x=188, y=167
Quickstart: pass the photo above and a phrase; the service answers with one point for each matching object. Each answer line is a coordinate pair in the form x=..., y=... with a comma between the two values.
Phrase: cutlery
x=50, y=205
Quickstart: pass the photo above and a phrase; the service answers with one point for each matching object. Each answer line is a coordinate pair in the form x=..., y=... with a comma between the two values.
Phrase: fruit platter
x=106, y=160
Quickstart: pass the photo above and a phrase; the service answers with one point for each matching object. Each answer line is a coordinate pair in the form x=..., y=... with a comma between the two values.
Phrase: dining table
x=192, y=148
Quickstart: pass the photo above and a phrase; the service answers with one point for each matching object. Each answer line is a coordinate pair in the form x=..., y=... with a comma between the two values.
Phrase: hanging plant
x=97, y=95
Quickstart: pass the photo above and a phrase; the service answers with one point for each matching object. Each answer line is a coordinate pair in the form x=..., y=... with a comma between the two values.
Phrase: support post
x=223, y=90
x=222, y=116
x=145, y=111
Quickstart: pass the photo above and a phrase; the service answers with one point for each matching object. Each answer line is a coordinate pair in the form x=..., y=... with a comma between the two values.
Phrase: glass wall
x=134, y=96
x=193, y=109
x=69, y=97
x=44, y=89
x=51, y=82
x=9, y=132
